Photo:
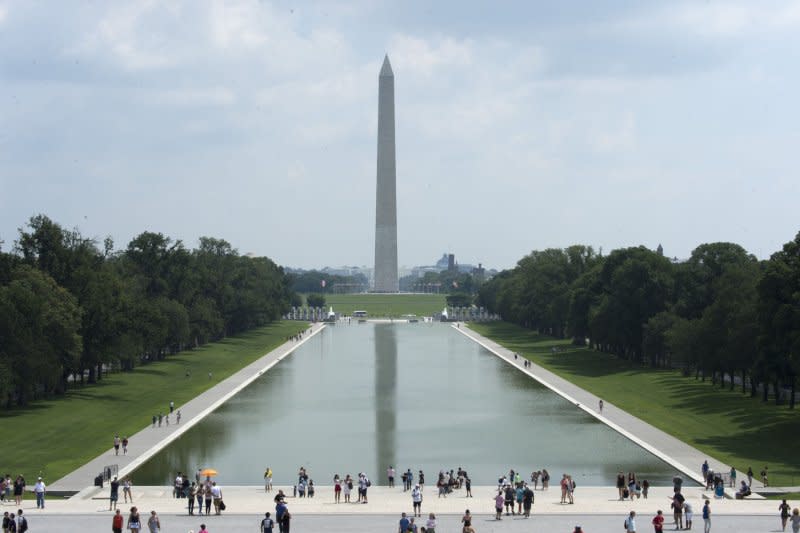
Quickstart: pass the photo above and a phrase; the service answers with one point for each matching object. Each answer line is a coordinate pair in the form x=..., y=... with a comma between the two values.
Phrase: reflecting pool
x=360, y=397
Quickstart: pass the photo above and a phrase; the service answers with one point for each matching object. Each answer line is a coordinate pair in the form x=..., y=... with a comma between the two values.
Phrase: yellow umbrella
x=208, y=472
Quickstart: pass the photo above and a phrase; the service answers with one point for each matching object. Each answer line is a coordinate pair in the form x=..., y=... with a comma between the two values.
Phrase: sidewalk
x=681, y=456
x=149, y=440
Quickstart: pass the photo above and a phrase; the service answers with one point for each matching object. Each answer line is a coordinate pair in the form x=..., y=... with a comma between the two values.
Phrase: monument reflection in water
x=357, y=398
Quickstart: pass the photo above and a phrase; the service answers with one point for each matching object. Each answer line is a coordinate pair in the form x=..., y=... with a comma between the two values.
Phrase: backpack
x=24, y=527
x=369, y=483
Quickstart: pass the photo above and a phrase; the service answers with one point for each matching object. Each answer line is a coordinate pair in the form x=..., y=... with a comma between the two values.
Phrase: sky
x=520, y=125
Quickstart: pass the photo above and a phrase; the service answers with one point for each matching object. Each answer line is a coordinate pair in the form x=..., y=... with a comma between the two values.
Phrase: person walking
x=707, y=517
x=402, y=525
x=795, y=520
x=658, y=522
x=40, y=489
x=134, y=522
x=267, y=524
x=390, y=472
x=117, y=442
x=117, y=522
x=784, y=510
x=153, y=523
x=21, y=522
x=527, y=501
x=630, y=523
x=430, y=524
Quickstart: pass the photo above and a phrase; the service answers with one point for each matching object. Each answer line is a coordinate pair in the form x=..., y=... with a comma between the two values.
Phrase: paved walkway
x=149, y=440
x=680, y=455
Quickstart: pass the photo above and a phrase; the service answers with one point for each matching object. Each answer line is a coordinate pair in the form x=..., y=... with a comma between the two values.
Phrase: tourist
x=21, y=522
x=171, y=406
x=192, y=496
x=311, y=489
x=795, y=520
x=416, y=498
x=658, y=522
x=749, y=476
x=126, y=489
x=467, y=518
x=430, y=524
x=208, y=496
x=203, y=526
x=677, y=510
x=620, y=484
x=301, y=488
x=688, y=513
x=117, y=522
x=784, y=510
x=114, y=495
x=153, y=523
x=409, y=480
x=630, y=523
x=577, y=529
x=535, y=479
x=704, y=468
x=267, y=524
x=498, y=505
x=390, y=472
x=117, y=442
x=134, y=523
x=743, y=491
x=268, y=479
x=563, y=484
x=545, y=479
x=402, y=525
x=570, y=489
x=19, y=489
x=177, y=486
x=216, y=495
x=732, y=477
x=600, y=406
x=645, y=488
x=154, y=420
x=764, y=479
x=282, y=516
x=337, y=489
x=509, y=500
x=178, y=417
x=707, y=517
x=631, y=485
x=421, y=476
x=468, y=487
x=160, y=418
x=527, y=501
x=348, y=487
x=519, y=493
x=40, y=489
x=412, y=527
x=468, y=529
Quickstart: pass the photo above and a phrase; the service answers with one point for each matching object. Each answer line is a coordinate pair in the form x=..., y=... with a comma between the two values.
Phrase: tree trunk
x=791, y=398
x=765, y=390
x=744, y=377
x=777, y=392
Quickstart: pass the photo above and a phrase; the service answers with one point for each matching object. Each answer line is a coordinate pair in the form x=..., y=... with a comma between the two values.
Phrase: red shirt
x=658, y=522
x=117, y=522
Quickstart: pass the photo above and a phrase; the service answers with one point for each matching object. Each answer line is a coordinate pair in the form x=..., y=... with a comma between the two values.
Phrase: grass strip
x=51, y=438
x=728, y=425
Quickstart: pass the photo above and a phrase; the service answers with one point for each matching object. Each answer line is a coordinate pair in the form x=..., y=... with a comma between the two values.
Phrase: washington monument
x=386, y=197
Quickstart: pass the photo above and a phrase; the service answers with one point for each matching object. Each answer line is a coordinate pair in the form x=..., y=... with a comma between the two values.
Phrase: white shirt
x=39, y=487
x=631, y=523
x=216, y=492
x=416, y=495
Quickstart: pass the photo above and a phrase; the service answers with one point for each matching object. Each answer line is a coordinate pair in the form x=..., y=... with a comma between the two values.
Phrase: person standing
x=268, y=479
x=127, y=489
x=153, y=523
x=171, y=406
x=620, y=484
x=498, y=505
x=19, y=489
x=732, y=477
x=390, y=472
x=416, y=499
x=764, y=479
x=658, y=522
x=114, y=494
x=117, y=522
x=600, y=406
x=784, y=510
x=527, y=501
x=267, y=524
x=707, y=517
x=117, y=442
x=285, y=518
x=430, y=525
x=749, y=476
x=192, y=496
x=688, y=514
x=40, y=489
x=677, y=510
x=468, y=486
x=630, y=523
x=216, y=495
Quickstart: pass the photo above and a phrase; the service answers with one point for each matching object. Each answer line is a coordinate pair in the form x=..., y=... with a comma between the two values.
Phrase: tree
x=315, y=300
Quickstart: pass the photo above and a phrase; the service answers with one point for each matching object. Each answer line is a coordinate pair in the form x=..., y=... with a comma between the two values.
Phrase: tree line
x=71, y=307
x=721, y=315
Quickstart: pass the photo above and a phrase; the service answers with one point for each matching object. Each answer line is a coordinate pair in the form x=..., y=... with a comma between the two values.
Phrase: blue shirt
x=279, y=510
x=404, y=524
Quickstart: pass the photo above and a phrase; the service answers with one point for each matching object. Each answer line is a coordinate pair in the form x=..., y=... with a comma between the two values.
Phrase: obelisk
x=385, y=195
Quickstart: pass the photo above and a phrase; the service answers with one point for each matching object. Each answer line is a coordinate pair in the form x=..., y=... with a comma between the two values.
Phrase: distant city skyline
x=524, y=126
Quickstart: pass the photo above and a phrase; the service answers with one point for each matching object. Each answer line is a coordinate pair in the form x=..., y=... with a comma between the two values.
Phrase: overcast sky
x=520, y=125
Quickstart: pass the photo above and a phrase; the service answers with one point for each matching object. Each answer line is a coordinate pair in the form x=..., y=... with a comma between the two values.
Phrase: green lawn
x=730, y=426
x=52, y=438
x=387, y=305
